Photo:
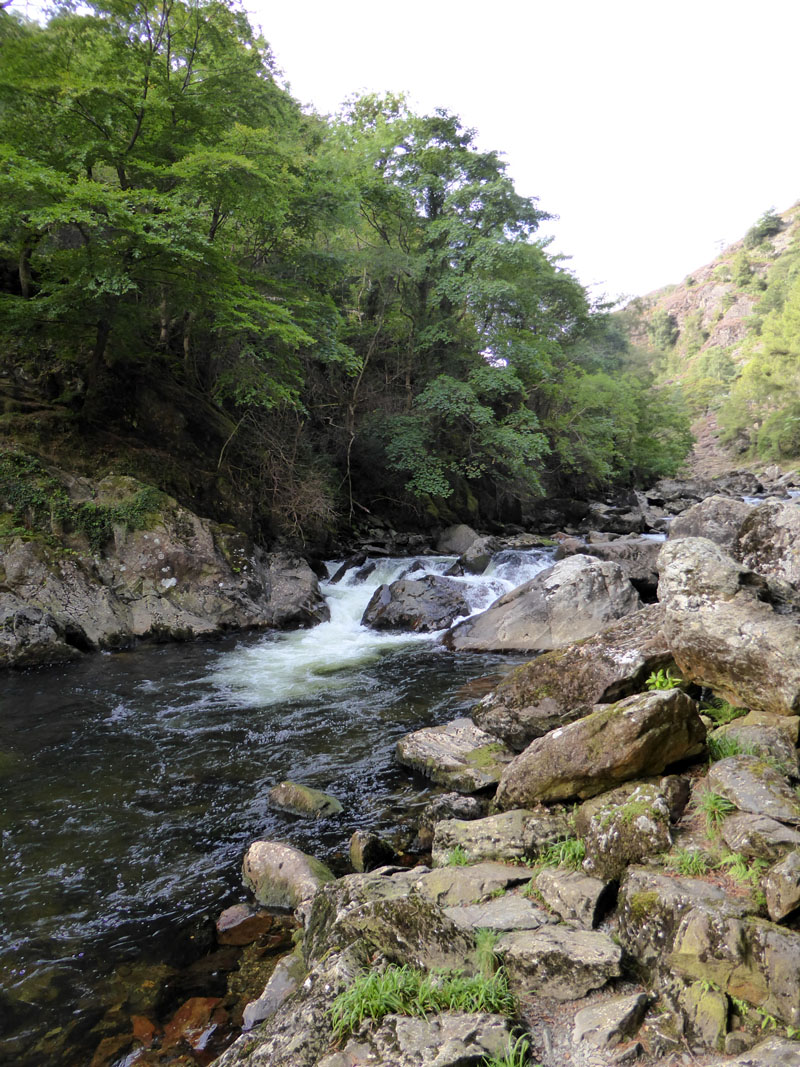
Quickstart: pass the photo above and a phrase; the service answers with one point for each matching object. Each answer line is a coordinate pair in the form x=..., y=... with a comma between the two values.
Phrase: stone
x=749, y=958
x=281, y=876
x=782, y=887
x=767, y=741
x=706, y=1013
x=755, y=786
x=368, y=851
x=717, y=518
x=450, y=1039
x=769, y=541
x=453, y=806
x=758, y=836
x=302, y=800
x=558, y=961
x=623, y=826
x=606, y=1025
x=728, y=629
x=457, y=755
x=454, y=886
x=636, y=557
x=561, y=605
x=455, y=540
x=242, y=924
x=651, y=906
x=574, y=896
x=563, y=685
x=510, y=911
x=31, y=637
x=677, y=494
x=774, y=1052
x=635, y=737
x=284, y=980
x=423, y=605
x=496, y=837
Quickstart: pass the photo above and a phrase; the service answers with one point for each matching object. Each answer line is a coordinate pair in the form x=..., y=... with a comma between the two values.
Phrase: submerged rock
x=422, y=604
x=300, y=799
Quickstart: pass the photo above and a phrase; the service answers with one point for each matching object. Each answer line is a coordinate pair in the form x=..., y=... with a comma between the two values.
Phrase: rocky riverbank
x=637, y=865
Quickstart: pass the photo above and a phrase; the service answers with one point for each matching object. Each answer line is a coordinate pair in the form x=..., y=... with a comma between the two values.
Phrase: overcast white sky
x=653, y=129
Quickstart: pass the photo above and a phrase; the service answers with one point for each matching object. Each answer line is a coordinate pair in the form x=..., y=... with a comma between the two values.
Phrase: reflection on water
x=131, y=785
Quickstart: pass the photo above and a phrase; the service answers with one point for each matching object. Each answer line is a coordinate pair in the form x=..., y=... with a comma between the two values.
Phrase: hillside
x=728, y=334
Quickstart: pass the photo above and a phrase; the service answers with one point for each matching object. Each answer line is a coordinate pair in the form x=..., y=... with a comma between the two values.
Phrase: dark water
x=132, y=784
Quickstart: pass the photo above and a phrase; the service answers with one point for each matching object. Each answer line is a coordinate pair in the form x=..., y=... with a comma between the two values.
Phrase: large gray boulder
x=559, y=961
x=508, y=836
x=421, y=604
x=774, y=1052
x=769, y=541
x=636, y=557
x=758, y=836
x=473, y=549
x=728, y=628
x=561, y=605
x=563, y=685
x=31, y=637
x=636, y=737
x=718, y=518
x=457, y=755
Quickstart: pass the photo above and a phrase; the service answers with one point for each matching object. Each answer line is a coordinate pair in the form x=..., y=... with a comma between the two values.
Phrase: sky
x=656, y=131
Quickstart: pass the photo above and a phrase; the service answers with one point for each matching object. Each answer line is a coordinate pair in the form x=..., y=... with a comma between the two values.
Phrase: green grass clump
x=715, y=807
x=689, y=862
x=457, y=857
x=721, y=712
x=408, y=991
x=485, y=957
x=724, y=746
x=570, y=852
x=516, y=1055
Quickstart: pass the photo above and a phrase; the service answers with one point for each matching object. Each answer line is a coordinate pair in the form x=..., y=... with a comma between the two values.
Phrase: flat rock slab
x=454, y=886
x=508, y=912
x=497, y=837
x=452, y=1039
x=573, y=895
x=457, y=755
x=759, y=836
x=605, y=1025
x=559, y=961
x=755, y=786
x=774, y=1052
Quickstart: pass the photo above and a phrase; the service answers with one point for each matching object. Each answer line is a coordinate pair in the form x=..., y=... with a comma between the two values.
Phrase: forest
x=290, y=320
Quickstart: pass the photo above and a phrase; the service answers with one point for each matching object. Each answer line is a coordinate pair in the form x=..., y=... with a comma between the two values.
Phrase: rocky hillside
x=728, y=334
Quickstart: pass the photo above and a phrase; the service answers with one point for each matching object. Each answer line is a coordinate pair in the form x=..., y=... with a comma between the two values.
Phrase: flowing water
x=132, y=784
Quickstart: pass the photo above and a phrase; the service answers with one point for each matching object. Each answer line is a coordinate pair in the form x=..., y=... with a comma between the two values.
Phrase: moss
x=641, y=905
x=486, y=756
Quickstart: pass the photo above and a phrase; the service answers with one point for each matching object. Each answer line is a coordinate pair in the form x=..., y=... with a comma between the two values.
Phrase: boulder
x=769, y=541
x=758, y=836
x=509, y=911
x=457, y=755
x=285, y=979
x=782, y=887
x=368, y=851
x=676, y=495
x=422, y=604
x=497, y=837
x=453, y=806
x=606, y=1025
x=573, y=895
x=31, y=637
x=281, y=876
x=455, y=540
x=717, y=518
x=455, y=886
x=724, y=630
x=762, y=739
x=563, y=685
x=705, y=1012
x=626, y=518
x=774, y=1052
x=559, y=961
x=635, y=556
x=633, y=738
x=624, y=826
x=755, y=786
x=560, y=605
x=450, y=1039
x=301, y=800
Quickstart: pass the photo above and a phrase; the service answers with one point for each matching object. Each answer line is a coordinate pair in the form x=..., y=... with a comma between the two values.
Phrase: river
x=132, y=784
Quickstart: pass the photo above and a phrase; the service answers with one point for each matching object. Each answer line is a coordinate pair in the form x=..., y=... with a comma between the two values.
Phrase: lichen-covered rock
x=706, y=1013
x=31, y=637
x=457, y=755
x=573, y=895
x=497, y=837
x=755, y=786
x=563, y=685
x=298, y=799
x=510, y=911
x=718, y=518
x=281, y=876
x=651, y=906
x=769, y=742
x=774, y=1052
x=423, y=605
x=624, y=826
x=782, y=887
x=606, y=1025
x=636, y=737
x=454, y=886
x=561, y=605
x=758, y=836
x=769, y=541
x=289, y=973
x=369, y=851
x=636, y=556
x=451, y=1039
x=749, y=958
x=559, y=961
x=728, y=628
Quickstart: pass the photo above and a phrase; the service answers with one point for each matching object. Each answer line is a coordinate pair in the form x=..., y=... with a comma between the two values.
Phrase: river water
x=131, y=785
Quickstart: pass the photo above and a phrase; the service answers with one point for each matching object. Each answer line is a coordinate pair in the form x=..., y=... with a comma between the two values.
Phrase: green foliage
x=743, y=869
x=570, y=852
x=663, y=679
x=457, y=857
x=516, y=1055
x=662, y=330
x=689, y=862
x=407, y=991
x=721, y=711
x=715, y=808
x=767, y=226
x=723, y=746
